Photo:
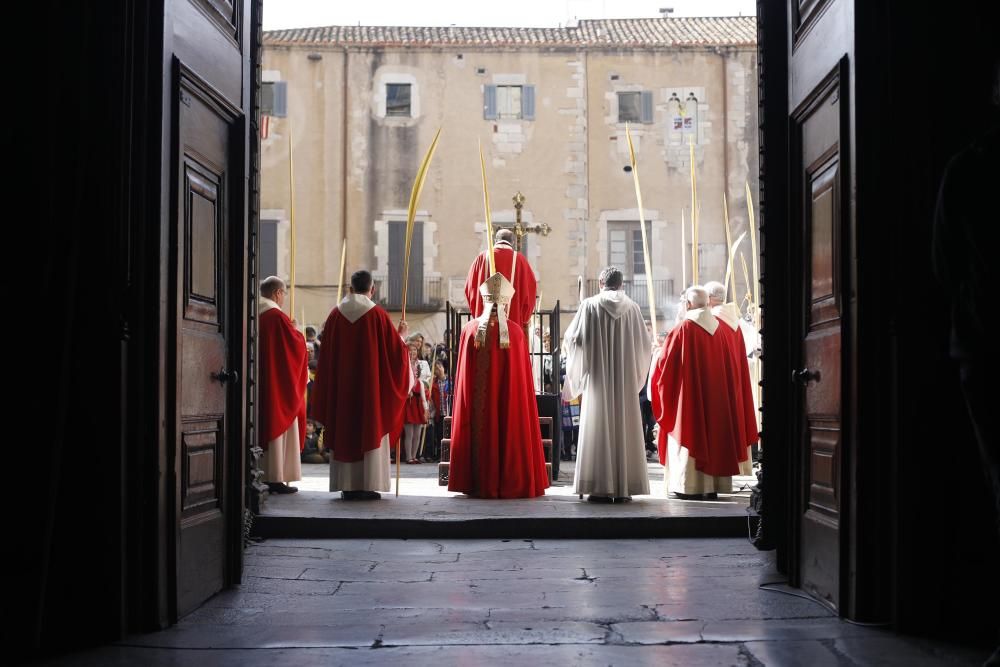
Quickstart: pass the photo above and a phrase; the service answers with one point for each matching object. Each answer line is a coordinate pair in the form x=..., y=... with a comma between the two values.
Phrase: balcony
x=425, y=295
x=663, y=293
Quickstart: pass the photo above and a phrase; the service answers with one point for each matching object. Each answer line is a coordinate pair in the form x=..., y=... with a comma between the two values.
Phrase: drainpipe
x=343, y=162
x=725, y=129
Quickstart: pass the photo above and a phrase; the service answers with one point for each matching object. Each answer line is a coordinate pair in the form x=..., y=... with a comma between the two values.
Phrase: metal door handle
x=805, y=376
x=225, y=376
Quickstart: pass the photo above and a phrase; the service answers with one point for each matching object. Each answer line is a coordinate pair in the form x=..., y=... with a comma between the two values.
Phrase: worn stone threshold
x=425, y=510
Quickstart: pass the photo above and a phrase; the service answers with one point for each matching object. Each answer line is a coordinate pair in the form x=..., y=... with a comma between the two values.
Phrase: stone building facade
x=357, y=107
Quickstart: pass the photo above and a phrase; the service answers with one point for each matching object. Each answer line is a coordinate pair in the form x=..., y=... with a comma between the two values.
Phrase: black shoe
x=360, y=495
x=695, y=496
x=622, y=499
x=281, y=488
x=600, y=499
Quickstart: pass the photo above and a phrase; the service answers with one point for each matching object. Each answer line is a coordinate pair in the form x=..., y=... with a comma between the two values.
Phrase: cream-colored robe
x=607, y=355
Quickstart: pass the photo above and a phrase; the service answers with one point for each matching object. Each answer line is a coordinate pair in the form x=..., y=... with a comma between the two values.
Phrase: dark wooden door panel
x=818, y=127
x=206, y=210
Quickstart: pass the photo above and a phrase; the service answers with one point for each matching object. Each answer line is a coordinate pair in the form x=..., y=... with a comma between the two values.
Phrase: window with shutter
x=268, y=251
x=629, y=107
x=528, y=102
x=647, y=106
x=625, y=248
x=274, y=98
x=391, y=294
x=490, y=102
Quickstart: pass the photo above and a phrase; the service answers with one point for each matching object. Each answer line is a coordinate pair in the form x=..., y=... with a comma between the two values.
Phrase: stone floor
x=684, y=602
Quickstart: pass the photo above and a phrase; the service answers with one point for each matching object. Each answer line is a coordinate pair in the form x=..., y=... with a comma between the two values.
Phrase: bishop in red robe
x=701, y=442
x=728, y=315
x=360, y=391
x=283, y=372
x=522, y=304
x=496, y=442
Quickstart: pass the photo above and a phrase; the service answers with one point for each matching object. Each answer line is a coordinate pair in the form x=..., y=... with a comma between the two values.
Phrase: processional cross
x=519, y=229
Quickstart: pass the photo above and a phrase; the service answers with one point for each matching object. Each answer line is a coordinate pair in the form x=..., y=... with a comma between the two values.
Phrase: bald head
x=716, y=293
x=696, y=297
x=270, y=285
x=273, y=288
x=504, y=235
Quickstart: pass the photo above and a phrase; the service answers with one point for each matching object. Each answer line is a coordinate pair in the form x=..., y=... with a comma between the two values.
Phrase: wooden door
x=820, y=47
x=206, y=48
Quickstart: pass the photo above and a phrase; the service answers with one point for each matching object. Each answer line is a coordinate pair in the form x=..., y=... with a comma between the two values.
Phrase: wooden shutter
x=647, y=106
x=490, y=102
x=528, y=102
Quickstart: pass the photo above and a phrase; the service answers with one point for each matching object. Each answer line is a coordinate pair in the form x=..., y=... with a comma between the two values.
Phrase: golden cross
x=519, y=229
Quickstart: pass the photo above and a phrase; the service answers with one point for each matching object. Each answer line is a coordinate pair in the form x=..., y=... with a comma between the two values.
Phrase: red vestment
x=362, y=382
x=523, y=304
x=739, y=373
x=496, y=442
x=414, y=413
x=283, y=370
x=692, y=401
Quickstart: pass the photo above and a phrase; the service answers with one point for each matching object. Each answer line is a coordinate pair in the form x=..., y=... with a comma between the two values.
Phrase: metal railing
x=663, y=292
x=424, y=294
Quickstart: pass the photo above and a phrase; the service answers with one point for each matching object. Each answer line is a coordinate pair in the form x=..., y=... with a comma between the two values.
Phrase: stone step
x=604, y=523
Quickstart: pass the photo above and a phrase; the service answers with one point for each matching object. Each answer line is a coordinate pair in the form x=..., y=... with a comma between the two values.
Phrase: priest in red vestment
x=496, y=441
x=728, y=315
x=360, y=390
x=522, y=304
x=283, y=372
x=701, y=443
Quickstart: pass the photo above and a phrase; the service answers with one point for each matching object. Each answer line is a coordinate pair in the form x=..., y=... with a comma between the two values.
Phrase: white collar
x=703, y=318
x=266, y=305
x=728, y=313
x=353, y=306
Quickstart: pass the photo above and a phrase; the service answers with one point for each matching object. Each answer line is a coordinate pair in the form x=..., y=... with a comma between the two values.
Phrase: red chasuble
x=525, y=285
x=739, y=373
x=283, y=370
x=692, y=402
x=361, y=383
x=496, y=442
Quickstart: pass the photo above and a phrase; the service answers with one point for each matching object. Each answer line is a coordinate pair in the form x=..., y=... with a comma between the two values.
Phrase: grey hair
x=504, y=234
x=270, y=285
x=697, y=296
x=716, y=290
x=612, y=278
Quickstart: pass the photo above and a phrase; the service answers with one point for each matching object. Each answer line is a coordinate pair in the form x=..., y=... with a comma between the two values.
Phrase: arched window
x=689, y=115
x=674, y=106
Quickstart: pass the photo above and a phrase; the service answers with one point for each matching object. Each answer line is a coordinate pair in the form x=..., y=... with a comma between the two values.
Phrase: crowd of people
x=426, y=406
x=375, y=389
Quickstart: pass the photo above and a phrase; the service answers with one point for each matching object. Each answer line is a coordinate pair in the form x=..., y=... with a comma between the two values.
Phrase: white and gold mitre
x=496, y=291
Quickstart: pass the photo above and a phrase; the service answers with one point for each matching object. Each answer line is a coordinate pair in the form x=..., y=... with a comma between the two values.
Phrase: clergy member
x=496, y=441
x=741, y=390
x=700, y=441
x=522, y=304
x=283, y=371
x=607, y=360
x=360, y=391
